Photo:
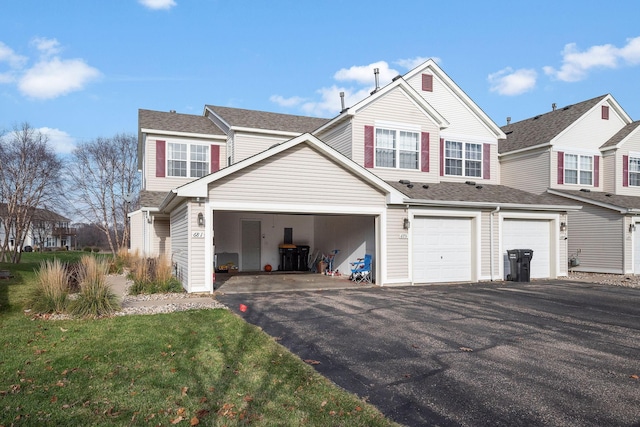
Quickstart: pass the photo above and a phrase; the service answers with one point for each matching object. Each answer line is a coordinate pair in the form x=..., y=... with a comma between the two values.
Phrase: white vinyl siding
x=167, y=183
x=197, y=259
x=339, y=138
x=397, y=247
x=250, y=144
x=161, y=237
x=528, y=172
x=397, y=107
x=180, y=244
x=300, y=177
x=596, y=235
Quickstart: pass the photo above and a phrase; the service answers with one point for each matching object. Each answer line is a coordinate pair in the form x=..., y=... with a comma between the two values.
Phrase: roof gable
x=542, y=129
x=618, y=139
x=623, y=204
x=199, y=187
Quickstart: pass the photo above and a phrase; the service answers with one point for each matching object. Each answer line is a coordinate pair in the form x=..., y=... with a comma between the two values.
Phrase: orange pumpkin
x=267, y=268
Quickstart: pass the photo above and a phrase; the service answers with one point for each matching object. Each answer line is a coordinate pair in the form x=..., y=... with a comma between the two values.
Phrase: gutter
x=490, y=205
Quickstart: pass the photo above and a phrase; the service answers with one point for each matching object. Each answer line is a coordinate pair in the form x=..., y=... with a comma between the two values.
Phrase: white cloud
x=357, y=82
x=158, y=4
x=15, y=63
x=55, y=77
x=47, y=47
x=286, y=102
x=411, y=63
x=363, y=74
x=513, y=82
x=576, y=64
x=62, y=142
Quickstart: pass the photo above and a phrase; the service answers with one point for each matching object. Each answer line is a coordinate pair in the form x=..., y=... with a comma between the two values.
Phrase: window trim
x=397, y=149
x=629, y=171
x=188, y=160
x=464, y=158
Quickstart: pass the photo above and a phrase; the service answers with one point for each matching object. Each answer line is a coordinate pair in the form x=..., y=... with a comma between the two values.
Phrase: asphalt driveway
x=553, y=353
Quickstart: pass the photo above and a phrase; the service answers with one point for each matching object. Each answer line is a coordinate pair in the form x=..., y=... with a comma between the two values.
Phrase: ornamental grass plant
x=95, y=298
x=51, y=293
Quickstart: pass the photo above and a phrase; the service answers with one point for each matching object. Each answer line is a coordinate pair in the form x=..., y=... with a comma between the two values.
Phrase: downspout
x=491, y=240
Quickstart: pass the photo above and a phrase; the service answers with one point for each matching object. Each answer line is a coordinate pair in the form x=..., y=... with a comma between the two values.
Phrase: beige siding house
x=587, y=153
x=409, y=175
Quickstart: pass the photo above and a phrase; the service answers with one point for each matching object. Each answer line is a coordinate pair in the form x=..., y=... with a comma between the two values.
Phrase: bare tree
x=30, y=176
x=104, y=177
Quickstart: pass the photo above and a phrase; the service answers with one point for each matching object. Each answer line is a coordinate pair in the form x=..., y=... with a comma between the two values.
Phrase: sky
x=80, y=69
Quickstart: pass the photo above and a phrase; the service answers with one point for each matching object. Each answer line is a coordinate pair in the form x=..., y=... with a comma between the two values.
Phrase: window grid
x=634, y=171
x=458, y=154
x=578, y=169
x=186, y=160
x=397, y=149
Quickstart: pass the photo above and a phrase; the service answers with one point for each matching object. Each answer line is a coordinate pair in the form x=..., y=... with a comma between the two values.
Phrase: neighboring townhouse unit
x=588, y=153
x=48, y=230
x=409, y=175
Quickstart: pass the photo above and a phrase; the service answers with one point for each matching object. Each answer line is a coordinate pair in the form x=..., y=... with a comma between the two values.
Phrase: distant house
x=409, y=175
x=587, y=153
x=48, y=230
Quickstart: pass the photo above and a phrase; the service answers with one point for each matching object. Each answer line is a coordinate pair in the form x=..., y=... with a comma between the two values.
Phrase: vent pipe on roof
x=376, y=73
x=553, y=106
x=508, y=120
x=342, y=102
x=172, y=111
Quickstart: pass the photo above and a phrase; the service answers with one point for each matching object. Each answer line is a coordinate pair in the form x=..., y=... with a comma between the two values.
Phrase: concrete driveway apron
x=541, y=353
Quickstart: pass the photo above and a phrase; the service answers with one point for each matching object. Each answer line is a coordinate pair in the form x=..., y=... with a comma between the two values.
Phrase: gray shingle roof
x=152, y=199
x=481, y=193
x=624, y=202
x=267, y=121
x=622, y=134
x=176, y=122
x=544, y=127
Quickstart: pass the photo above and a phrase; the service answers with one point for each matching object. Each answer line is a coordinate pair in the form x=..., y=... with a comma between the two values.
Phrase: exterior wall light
x=201, y=219
x=563, y=226
x=632, y=227
x=406, y=223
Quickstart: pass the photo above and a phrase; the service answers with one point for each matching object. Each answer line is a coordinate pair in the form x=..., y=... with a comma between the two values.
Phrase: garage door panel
x=441, y=249
x=529, y=234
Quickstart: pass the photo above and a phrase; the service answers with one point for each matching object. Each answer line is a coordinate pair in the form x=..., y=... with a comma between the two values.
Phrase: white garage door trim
x=533, y=233
x=442, y=249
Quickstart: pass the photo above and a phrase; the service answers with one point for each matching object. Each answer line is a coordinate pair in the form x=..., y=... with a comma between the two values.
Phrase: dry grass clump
x=153, y=275
x=51, y=294
x=95, y=298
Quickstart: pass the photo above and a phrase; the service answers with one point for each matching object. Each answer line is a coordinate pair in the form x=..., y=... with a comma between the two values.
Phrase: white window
x=463, y=159
x=578, y=169
x=634, y=171
x=397, y=149
x=187, y=160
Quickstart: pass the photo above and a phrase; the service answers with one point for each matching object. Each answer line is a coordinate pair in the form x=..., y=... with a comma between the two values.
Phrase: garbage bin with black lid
x=520, y=264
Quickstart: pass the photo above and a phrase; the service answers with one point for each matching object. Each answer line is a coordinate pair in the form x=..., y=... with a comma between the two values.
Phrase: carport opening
x=252, y=243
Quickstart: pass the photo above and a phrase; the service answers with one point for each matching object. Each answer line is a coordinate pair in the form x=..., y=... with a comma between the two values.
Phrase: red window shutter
x=424, y=152
x=160, y=159
x=596, y=171
x=441, y=156
x=215, y=158
x=625, y=171
x=368, y=146
x=560, y=167
x=605, y=112
x=427, y=82
x=486, y=161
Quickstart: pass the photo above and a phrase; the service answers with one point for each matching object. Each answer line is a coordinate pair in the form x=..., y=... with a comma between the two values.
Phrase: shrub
x=87, y=249
x=96, y=250
x=51, y=293
x=96, y=297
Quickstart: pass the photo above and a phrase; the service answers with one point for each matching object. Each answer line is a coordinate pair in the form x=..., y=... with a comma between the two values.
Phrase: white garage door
x=529, y=234
x=441, y=249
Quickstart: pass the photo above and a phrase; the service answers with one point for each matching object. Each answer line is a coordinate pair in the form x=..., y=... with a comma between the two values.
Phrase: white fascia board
x=488, y=205
x=204, y=113
x=570, y=150
x=618, y=108
x=620, y=209
x=150, y=132
x=342, y=116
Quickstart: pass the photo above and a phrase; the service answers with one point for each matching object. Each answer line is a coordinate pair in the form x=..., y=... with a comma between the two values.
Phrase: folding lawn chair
x=361, y=270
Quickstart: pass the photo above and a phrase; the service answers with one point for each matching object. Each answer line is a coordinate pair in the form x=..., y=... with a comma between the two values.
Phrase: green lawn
x=204, y=367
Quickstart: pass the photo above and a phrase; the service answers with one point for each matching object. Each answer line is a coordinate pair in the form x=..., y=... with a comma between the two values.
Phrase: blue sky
x=81, y=69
